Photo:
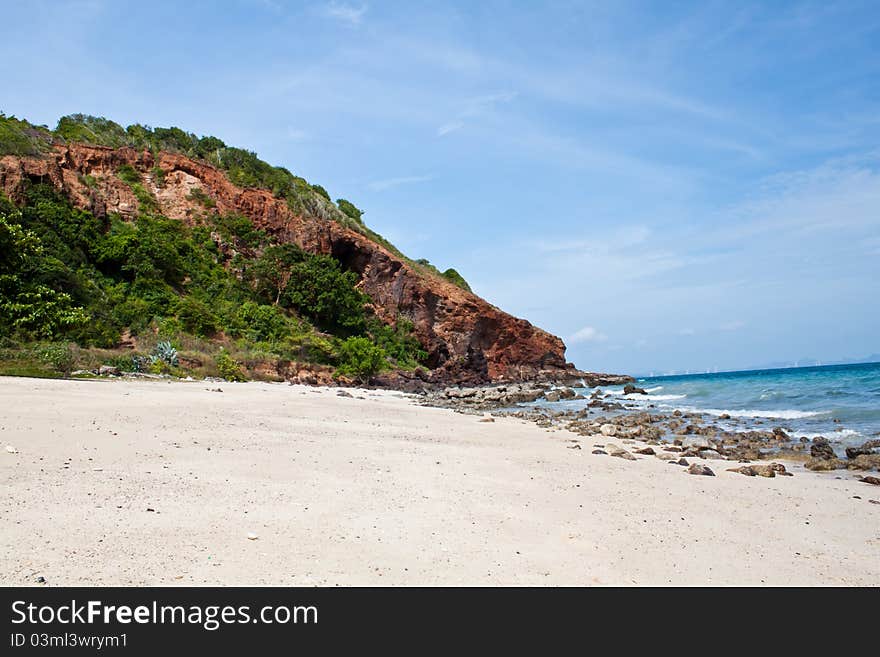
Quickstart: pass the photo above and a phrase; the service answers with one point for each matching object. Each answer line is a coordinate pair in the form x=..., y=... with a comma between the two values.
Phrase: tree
x=360, y=359
x=25, y=305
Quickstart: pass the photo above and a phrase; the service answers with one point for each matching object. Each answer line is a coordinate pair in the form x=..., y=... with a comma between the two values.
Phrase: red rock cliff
x=467, y=338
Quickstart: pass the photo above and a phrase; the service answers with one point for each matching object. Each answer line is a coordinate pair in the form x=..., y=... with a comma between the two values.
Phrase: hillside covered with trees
x=216, y=296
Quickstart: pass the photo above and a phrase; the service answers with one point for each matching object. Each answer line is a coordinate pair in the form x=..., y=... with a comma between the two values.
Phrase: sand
x=172, y=483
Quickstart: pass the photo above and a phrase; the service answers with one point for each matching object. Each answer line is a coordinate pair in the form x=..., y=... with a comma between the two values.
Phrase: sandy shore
x=148, y=482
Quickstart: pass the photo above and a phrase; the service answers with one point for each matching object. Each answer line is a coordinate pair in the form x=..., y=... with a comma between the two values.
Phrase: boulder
x=864, y=462
x=854, y=452
x=824, y=464
x=108, y=370
x=608, y=430
x=698, y=469
x=822, y=449
x=630, y=389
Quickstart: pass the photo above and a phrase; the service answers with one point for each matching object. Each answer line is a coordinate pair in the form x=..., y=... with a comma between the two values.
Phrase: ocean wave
x=654, y=389
x=838, y=434
x=783, y=414
x=652, y=398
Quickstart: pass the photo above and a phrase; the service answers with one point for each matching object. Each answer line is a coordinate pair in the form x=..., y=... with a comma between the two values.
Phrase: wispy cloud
x=452, y=126
x=351, y=14
x=587, y=334
x=390, y=183
x=473, y=107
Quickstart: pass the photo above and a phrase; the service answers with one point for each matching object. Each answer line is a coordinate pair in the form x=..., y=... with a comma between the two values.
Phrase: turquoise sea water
x=840, y=402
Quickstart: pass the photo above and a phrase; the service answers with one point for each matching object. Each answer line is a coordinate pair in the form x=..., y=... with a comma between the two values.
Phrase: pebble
x=252, y=537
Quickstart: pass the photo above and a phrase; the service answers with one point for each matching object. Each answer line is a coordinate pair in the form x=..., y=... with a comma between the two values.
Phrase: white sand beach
x=173, y=483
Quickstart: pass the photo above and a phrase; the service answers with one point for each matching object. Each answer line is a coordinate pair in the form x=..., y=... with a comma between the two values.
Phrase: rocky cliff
x=467, y=339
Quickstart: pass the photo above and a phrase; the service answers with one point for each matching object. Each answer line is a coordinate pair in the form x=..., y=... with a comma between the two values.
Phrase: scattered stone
x=600, y=451
x=822, y=449
x=823, y=464
x=682, y=462
x=252, y=537
x=870, y=480
x=487, y=419
x=608, y=430
x=11, y=450
x=698, y=469
x=573, y=446
x=648, y=451
x=344, y=393
x=41, y=580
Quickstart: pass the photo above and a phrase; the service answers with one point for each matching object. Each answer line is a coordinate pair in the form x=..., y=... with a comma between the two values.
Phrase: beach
x=161, y=482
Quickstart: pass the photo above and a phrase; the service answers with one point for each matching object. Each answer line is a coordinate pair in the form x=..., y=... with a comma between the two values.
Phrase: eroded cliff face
x=467, y=339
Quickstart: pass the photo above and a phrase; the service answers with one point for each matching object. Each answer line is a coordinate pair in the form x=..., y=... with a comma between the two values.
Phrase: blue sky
x=666, y=185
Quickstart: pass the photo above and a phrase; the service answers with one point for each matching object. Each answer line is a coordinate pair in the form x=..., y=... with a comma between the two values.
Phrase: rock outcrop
x=467, y=339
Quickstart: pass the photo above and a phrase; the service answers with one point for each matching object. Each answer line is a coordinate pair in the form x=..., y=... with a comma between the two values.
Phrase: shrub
x=195, y=317
x=229, y=368
x=456, y=278
x=360, y=359
x=261, y=323
x=350, y=210
x=165, y=353
x=59, y=356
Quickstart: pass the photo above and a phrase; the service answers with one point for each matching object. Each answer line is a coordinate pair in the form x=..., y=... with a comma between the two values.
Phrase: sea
x=839, y=402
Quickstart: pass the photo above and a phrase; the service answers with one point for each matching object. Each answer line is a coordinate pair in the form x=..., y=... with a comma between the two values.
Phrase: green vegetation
x=19, y=137
x=222, y=292
x=242, y=167
x=350, y=210
x=360, y=359
x=229, y=368
x=450, y=274
x=220, y=297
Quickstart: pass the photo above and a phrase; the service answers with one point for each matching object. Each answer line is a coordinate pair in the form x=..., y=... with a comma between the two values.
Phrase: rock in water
x=697, y=469
x=630, y=389
x=855, y=452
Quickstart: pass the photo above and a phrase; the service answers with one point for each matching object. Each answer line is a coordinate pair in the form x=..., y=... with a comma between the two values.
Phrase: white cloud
x=390, y=183
x=732, y=326
x=346, y=13
x=587, y=334
x=446, y=128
